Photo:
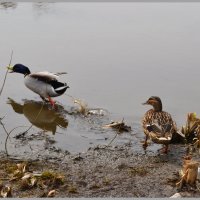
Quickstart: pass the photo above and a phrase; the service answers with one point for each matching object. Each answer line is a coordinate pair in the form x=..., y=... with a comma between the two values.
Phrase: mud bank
x=115, y=171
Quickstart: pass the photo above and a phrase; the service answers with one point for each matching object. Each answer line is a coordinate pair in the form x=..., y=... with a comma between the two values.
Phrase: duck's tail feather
x=59, y=87
x=61, y=90
x=60, y=73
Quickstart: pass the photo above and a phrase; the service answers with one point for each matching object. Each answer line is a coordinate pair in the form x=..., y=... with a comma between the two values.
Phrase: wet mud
x=114, y=171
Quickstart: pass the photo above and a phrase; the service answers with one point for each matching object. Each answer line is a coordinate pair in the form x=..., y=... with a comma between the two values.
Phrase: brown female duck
x=158, y=124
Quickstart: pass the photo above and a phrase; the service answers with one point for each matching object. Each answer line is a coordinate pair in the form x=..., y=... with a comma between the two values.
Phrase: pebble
x=176, y=195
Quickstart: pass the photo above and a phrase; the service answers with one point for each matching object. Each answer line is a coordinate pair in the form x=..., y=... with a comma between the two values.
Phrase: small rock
x=176, y=195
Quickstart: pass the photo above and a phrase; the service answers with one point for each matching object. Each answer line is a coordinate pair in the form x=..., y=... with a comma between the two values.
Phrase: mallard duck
x=158, y=124
x=45, y=84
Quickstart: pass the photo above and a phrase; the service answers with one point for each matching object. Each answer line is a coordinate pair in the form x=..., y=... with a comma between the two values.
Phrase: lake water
x=116, y=55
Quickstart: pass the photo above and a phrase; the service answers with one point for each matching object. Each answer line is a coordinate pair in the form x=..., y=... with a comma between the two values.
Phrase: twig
x=6, y=141
x=8, y=133
x=4, y=179
x=4, y=128
x=115, y=134
x=105, y=162
x=4, y=81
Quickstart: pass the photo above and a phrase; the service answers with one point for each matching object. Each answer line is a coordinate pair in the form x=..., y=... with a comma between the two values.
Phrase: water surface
x=116, y=56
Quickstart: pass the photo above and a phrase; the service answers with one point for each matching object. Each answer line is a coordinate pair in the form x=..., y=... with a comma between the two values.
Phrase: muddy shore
x=115, y=171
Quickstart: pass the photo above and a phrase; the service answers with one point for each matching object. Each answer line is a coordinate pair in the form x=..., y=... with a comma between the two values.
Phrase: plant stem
x=4, y=81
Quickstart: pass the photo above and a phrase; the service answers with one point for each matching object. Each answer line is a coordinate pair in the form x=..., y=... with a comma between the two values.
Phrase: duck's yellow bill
x=10, y=67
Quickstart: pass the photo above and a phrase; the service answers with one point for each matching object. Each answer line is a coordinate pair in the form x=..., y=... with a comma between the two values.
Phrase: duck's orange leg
x=165, y=149
x=145, y=144
x=52, y=102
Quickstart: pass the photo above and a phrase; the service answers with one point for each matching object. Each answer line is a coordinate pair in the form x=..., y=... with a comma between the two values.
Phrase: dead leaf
x=6, y=192
x=118, y=125
x=22, y=167
x=51, y=193
x=33, y=181
x=27, y=175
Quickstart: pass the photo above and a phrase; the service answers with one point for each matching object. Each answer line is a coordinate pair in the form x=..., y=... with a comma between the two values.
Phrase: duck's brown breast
x=161, y=118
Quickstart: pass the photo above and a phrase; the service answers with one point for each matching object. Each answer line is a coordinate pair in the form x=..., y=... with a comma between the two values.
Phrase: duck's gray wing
x=44, y=76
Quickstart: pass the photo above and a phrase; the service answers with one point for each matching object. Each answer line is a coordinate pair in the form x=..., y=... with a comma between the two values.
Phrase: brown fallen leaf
x=33, y=181
x=118, y=125
x=22, y=167
x=51, y=193
x=6, y=192
x=27, y=175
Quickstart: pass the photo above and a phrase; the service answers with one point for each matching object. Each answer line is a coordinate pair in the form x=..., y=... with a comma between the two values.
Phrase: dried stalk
x=4, y=81
x=83, y=106
x=8, y=134
x=189, y=172
x=6, y=141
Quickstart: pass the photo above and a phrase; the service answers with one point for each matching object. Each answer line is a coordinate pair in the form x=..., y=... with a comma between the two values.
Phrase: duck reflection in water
x=41, y=115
